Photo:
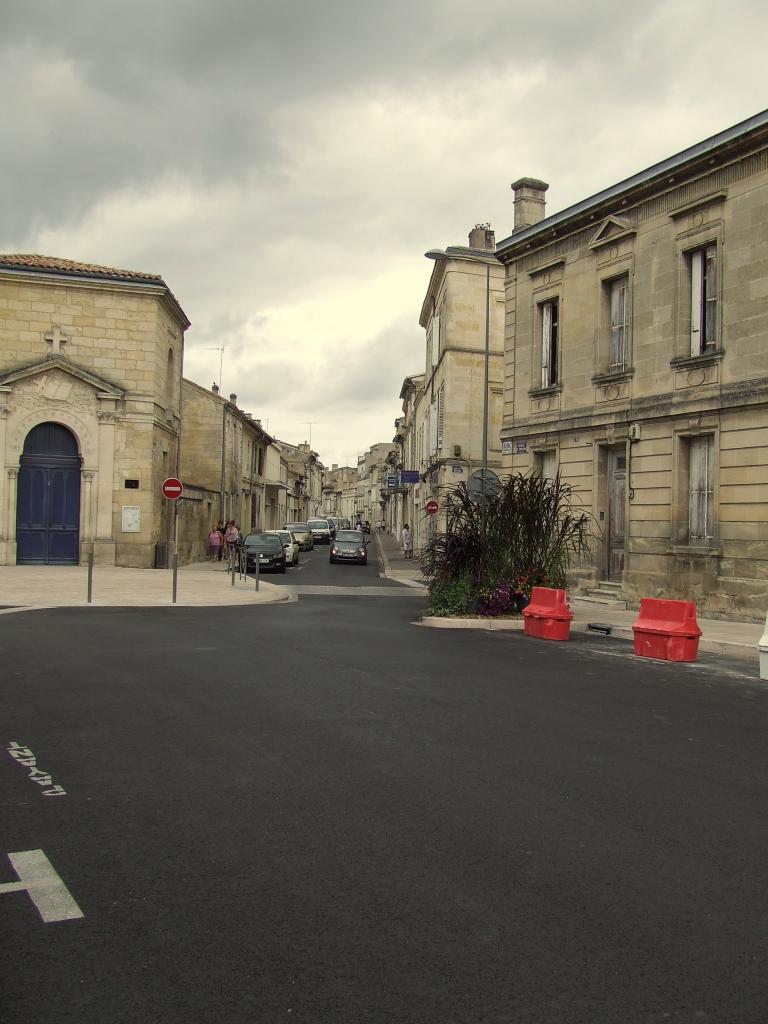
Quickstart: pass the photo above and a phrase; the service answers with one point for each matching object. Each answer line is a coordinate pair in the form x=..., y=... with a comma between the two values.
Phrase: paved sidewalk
x=395, y=565
x=200, y=584
x=719, y=636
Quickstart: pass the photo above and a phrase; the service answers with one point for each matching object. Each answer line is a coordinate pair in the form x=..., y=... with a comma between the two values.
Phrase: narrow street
x=318, y=811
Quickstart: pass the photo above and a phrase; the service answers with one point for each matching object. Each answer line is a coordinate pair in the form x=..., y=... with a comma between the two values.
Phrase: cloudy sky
x=285, y=165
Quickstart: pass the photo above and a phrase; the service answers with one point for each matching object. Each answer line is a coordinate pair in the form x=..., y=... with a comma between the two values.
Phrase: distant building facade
x=224, y=457
x=636, y=365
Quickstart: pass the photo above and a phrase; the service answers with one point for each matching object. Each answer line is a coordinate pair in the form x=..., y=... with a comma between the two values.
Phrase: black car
x=266, y=551
x=349, y=546
x=365, y=526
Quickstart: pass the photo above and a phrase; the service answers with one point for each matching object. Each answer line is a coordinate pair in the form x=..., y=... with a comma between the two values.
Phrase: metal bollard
x=257, y=574
x=90, y=576
x=175, y=564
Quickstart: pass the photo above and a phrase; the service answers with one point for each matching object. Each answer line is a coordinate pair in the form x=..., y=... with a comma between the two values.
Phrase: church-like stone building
x=90, y=405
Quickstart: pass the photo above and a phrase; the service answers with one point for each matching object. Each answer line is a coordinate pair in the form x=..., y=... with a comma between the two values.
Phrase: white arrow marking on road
x=43, y=886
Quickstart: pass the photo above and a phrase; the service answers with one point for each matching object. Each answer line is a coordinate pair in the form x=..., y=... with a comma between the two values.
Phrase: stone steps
x=607, y=593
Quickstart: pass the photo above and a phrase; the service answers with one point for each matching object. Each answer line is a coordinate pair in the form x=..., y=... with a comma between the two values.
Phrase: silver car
x=291, y=546
x=302, y=534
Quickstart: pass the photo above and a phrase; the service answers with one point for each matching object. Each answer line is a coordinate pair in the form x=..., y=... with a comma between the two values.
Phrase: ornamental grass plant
x=527, y=535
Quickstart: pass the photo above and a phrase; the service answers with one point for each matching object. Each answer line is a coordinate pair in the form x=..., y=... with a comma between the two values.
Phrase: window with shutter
x=703, y=299
x=701, y=488
x=549, y=343
x=440, y=416
x=619, y=294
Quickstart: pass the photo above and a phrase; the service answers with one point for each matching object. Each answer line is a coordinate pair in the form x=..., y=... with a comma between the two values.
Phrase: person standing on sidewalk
x=214, y=544
x=407, y=541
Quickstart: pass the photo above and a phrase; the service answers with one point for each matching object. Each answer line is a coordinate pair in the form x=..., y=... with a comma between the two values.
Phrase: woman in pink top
x=214, y=543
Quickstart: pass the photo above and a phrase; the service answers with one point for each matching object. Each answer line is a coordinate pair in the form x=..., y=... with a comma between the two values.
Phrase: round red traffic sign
x=172, y=488
x=431, y=508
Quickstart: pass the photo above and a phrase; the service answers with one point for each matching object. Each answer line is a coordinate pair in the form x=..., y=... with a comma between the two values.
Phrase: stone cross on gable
x=56, y=340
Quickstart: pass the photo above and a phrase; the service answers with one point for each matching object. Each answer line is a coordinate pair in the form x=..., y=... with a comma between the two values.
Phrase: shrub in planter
x=526, y=536
x=451, y=597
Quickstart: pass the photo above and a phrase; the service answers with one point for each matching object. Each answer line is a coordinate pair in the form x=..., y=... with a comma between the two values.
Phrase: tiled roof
x=28, y=261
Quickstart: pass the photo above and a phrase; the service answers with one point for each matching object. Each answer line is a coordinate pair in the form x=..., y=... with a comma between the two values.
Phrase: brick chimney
x=233, y=399
x=481, y=237
x=215, y=388
x=529, y=202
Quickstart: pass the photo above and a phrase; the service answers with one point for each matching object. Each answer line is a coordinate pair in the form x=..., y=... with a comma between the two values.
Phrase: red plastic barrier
x=548, y=616
x=667, y=630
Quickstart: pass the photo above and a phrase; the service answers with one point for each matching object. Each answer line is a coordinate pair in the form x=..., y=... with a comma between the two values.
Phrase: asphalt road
x=314, y=569
x=319, y=812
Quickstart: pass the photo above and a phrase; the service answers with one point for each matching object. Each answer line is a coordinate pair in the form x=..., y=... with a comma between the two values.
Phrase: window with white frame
x=703, y=265
x=701, y=456
x=550, y=332
x=618, y=311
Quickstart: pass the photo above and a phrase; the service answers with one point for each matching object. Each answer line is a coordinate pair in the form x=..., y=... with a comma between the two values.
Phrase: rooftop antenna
x=220, y=350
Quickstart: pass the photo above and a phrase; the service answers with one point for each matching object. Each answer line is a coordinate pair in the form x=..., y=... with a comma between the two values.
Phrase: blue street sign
x=409, y=476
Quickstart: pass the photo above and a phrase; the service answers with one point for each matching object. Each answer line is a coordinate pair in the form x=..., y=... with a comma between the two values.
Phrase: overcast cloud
x=284, y=165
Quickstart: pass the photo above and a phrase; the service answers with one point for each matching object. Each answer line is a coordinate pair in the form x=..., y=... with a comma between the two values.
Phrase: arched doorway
x=48, y=502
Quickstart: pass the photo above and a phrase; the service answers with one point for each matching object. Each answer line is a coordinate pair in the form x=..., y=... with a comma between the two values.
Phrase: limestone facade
x=96, y=353
x=340, y=492
x=305, y=472
x=636, y=364
x=224, y=469
x=372, y=467
x=441, y=435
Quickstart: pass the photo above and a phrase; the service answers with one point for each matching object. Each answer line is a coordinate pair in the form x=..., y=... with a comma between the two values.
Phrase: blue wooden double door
x=48, y=499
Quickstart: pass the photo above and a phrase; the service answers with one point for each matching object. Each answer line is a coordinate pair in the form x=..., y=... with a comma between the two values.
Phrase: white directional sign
x=43, y=886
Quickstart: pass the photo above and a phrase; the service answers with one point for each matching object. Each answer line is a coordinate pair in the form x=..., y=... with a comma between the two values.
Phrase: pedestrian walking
x=231, y=536
x=222, y=534
x=214, y=544
x=407, y=541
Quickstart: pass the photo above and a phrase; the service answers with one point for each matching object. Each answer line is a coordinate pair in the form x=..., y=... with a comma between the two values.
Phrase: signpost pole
x=175, y=571
x=90, y=575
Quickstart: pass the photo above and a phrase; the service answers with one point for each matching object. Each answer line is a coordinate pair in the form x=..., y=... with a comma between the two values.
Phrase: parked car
x=320, y=530
x=335, y=523
x=290, y=545
x=302, y=534
x=265, y=551
x=349, y=546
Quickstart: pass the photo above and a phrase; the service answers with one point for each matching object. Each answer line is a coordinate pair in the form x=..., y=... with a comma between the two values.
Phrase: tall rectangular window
x=440, y=416
x=701, y=451
x=545, y=464
x=549, y=343
x=618, y=293
x=703, y=299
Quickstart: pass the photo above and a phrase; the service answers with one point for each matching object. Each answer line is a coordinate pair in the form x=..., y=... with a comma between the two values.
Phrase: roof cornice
x=745, y=135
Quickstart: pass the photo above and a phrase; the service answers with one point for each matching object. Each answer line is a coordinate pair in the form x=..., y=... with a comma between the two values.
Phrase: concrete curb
x=443, y=622
x=730, y=649
x=264, y=599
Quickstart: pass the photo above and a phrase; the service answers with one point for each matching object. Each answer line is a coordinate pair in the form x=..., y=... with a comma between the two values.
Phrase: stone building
x=636, y=364
x=90, y=387
x=406, y=502
x=464, y=299
x=340, y=492
x=305, y=481
x=223, y=468
x=372, y=468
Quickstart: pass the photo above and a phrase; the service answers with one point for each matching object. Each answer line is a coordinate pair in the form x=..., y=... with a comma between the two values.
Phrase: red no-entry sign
x=172, y=488
x=431, y=508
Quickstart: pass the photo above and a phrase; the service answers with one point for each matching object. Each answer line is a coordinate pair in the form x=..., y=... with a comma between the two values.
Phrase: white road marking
x=43, y=886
